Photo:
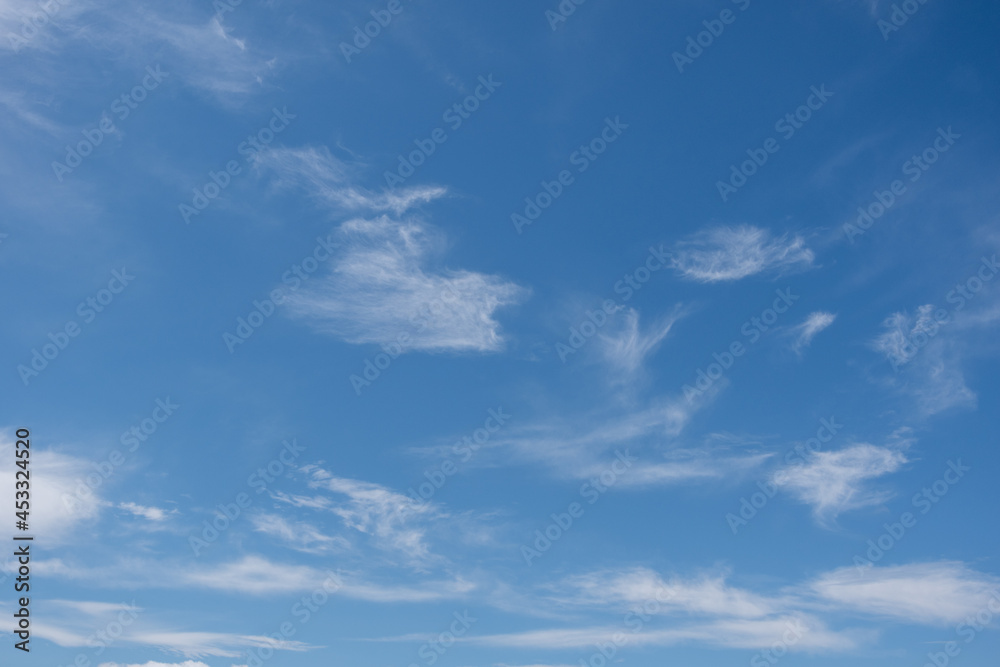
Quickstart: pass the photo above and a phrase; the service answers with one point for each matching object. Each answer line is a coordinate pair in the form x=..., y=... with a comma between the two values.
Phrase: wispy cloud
x=731, y=633
x=377, y=511
x=149, y=513
x=707, y=595
x=71, y=623
x=186, y=663
x=896, y=342
x=334, y=182
x=941, y=593
x=199, y=50
x=254, y=575
x=383, y=286
x=732, y=253
x=834, y=482
x=927, y=356
x=802, y=334
x=298, y=535
x=626, y=349
x=708, y=610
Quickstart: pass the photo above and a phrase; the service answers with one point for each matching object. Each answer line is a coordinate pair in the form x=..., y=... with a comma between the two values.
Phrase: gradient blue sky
x=718, y=401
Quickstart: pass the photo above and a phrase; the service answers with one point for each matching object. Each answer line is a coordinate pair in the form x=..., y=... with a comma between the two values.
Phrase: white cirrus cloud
x=927, y=354
x=625, y=345
x=155, y=514
x=939, y=593
x=186, y=663
x=834, y=482
x=732, y=253
x=802, y=334
x=298, y=535
x=902, y=330
x=333, y=182
x=382, y=286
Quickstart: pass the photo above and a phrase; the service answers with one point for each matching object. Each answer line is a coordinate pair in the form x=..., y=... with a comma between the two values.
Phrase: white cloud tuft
x=805, y=332
x=381, y=287
x=733, y=253
x=833, y=482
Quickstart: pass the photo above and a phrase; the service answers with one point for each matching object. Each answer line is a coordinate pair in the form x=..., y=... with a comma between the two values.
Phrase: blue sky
x=506, y=334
